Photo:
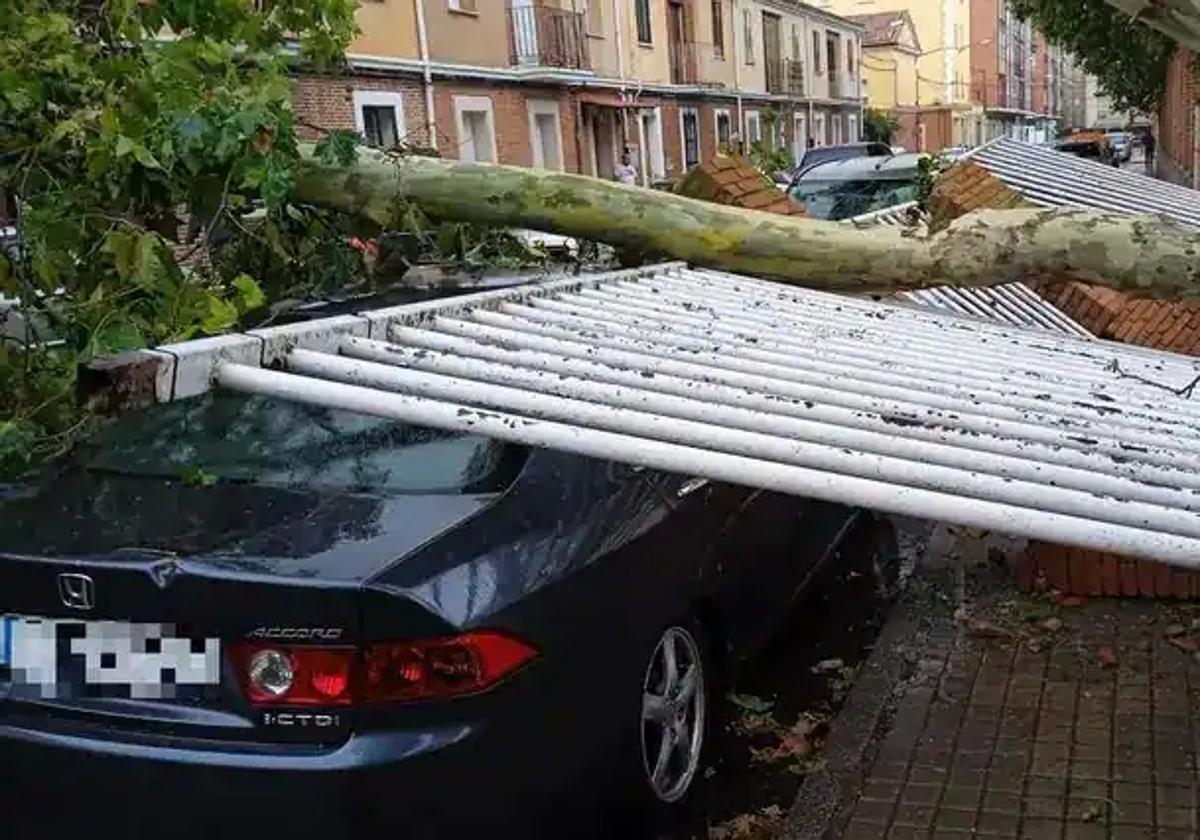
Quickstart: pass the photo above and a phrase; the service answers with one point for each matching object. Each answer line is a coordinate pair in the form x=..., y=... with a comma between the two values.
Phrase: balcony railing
x=545, y=37
x=785, y=76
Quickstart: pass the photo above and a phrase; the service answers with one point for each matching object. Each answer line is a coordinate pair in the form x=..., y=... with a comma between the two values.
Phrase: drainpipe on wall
x=423, y=44
x=737, y=71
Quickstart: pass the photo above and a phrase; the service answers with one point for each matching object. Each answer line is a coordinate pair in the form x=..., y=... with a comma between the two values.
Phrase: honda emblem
x=77, y=591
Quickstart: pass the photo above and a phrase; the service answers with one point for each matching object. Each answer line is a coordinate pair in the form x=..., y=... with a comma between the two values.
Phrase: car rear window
x=262, y=440
x=836, y=200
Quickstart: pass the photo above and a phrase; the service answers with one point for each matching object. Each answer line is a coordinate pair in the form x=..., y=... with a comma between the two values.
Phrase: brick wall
x=327, y=102
x=1176, y=121
x=708, y=131
x=1077, y=571
x=510, y=113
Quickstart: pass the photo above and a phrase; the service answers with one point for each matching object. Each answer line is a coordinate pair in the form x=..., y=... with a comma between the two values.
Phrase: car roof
x=859, y=167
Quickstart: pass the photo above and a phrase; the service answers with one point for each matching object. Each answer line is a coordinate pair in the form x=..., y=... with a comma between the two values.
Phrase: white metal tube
x=996, y=343
x=1029, y=390
x=427, y=73
x=1080, y=433
x=637, y=397
x=1052, y=527
x=712, y=367
x=784, y=299
x=763, y=394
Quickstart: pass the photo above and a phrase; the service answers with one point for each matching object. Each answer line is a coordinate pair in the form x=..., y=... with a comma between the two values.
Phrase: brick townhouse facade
x=1178, y=130
x=571, y=84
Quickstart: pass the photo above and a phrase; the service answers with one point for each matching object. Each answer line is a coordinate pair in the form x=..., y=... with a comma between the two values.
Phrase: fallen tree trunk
x=1144, y=255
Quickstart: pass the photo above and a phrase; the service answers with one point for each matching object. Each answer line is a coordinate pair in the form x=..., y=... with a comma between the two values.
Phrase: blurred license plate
x=52, y=657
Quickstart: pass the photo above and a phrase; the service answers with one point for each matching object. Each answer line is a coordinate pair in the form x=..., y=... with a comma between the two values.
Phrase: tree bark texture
x=1147, y=256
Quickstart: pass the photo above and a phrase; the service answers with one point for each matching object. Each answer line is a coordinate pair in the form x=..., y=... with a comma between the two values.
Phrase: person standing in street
x=625, y=171
x=1148, y=151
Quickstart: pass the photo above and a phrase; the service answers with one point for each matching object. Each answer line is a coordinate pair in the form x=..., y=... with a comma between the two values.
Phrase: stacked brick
x=966, y=187
x=733, y=180
x=1106, y=313
x=1077, y=571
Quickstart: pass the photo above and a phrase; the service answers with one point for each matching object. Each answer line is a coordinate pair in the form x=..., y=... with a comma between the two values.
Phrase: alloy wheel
x=673, y=710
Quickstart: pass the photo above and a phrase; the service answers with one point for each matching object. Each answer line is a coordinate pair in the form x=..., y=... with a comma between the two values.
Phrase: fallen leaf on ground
x=765, y=823
x=750, y=703
x=827, y=665
x=1185, y=643
x=1091, y=813
x=1106, y=656
x=979, y=627
x=1174, y=630
x=1070, y=601
x=1052, y=624
x=1034, y=646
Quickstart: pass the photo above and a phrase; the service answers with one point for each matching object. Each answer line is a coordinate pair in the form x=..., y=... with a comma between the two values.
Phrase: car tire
x=668, y=723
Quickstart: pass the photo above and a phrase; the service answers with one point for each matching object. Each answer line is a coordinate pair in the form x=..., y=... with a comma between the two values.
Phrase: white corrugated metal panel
x=896, y=408
x=1056, y=179
x=1012, y=303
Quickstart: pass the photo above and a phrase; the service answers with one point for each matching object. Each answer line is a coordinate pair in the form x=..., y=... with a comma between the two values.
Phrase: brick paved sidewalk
x=1005, y=728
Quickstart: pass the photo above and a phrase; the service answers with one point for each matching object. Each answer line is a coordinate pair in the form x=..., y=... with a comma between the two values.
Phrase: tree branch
x=1147, y=256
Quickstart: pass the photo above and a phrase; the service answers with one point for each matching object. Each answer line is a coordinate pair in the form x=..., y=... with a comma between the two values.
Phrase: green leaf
x=124, y=146
x=250, y=295
x=151, y=271
x=198, y=477
x=221, y=316
x=117, y=336
x=121, y=246
x=752, y=704
x=143, y=156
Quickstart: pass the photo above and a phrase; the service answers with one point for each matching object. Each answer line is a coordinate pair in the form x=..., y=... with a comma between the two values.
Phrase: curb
x=819, y=809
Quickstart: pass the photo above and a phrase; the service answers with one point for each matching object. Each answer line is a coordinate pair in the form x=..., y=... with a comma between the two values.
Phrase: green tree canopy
x=119, y=122
x=1128, y=58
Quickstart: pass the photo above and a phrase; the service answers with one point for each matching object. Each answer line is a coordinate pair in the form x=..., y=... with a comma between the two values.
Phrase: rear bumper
x=57, y=783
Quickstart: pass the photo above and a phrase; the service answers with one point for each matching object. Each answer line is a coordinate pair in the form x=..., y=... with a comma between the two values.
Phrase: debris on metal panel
x=901, y=409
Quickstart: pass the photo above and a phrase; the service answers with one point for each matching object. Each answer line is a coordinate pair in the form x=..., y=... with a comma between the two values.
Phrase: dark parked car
x=236, y=608
x=825, y=154
x=847, y=188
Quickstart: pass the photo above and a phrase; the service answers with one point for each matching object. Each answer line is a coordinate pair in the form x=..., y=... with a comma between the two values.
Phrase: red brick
x=1053, y=558
x=1129, y=577
x=1110, y=575
x=1077, y=571
x=1181, y=584
x=1145, y=578
x=1025, y=572
x=1164, y=584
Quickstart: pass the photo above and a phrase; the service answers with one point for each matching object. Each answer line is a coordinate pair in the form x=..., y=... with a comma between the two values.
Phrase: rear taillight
x=436, y=668
x=297, y=676
x=430, y=669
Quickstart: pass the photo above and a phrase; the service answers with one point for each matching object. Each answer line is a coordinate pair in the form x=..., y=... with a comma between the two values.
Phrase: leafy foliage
x=879, y=126
x=1128, y=58
x=144, y=143
x=768, y=154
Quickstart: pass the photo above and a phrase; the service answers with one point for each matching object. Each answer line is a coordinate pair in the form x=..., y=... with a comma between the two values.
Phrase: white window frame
x=462, y=104
x=695, y=112
x=545, y=107
x=817, y=130
x=852, y=128
x=756, y=118
x=800, y=134
x=654, y=166
x=379, y=99
x=717, y=123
